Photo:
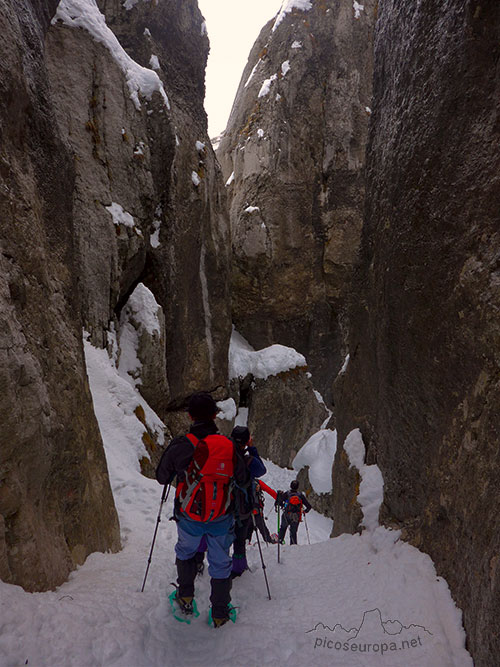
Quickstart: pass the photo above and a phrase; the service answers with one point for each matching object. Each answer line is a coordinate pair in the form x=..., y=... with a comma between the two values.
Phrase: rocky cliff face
x=293, y=157
x=147, y=199
x=55, y=501
x=108, y=184
x=423, y=381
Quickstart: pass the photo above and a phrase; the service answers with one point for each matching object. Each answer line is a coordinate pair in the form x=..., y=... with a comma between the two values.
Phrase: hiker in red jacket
x=258, y=511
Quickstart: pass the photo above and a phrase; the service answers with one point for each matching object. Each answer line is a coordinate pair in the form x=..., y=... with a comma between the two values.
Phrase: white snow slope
x=366, y=600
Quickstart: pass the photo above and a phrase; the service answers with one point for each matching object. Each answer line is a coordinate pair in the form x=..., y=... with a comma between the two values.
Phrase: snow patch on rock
x=371, y=489
x=272, y=360
x=318, y=453
x=85, y=14
x=288, y=6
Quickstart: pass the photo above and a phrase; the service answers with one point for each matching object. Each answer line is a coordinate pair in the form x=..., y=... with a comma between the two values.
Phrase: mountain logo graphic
x=372, y=625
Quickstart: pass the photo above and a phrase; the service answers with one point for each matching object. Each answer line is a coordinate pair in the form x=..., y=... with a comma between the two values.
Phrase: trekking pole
x=279, y=541
x=307, y=529
x=261, y=557
x=164, y=496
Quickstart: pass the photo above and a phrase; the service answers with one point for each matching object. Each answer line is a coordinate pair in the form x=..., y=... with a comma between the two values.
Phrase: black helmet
x=240, y=435
x=202, y=407
x=294, y=485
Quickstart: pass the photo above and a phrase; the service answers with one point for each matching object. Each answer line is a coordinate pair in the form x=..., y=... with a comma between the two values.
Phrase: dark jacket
x=177, y=457
x=244, y=493
x=254, y=463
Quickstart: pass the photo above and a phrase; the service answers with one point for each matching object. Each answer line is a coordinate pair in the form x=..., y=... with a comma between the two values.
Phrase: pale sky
x=233, y=26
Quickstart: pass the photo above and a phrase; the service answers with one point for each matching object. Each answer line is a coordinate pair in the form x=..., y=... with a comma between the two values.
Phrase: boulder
x=283, y=413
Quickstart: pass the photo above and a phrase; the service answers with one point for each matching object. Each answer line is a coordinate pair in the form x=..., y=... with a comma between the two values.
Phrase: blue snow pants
x=219, y=535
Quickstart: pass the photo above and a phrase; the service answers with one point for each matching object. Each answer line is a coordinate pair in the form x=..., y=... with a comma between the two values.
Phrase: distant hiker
x=243, y=497
x=258, y=510
x=205, y=464
x=293, y=503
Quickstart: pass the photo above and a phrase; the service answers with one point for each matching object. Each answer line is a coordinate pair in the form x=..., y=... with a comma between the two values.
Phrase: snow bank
x=288, y=6
x=140, y=312
x=371, y=489
x=227, y=409
x=145, y=308
x=318, y=453
x=85, y=14
x=243, y=359
x=115, y=405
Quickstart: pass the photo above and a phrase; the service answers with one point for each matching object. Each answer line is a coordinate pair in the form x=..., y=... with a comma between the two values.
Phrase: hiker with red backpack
x=292, y=503
x=205, y=464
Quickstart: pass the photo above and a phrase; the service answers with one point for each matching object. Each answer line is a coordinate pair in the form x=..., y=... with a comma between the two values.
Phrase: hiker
x=258, y=511
x=205, y=464
x=292, y=502
x=240, y=435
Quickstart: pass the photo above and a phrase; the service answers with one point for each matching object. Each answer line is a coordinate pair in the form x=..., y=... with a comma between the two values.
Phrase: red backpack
x=205, y=492
x=294, y=508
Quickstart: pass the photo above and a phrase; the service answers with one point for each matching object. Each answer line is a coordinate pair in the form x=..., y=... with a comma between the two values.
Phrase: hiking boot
x=219, y=622
x=185, y=604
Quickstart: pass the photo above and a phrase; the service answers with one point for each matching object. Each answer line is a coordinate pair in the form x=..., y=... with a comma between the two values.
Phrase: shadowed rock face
x=283, y=414
x=295, y=143
x=75, y=150
x=423, y=382
x=55, y=502
x=144, y=160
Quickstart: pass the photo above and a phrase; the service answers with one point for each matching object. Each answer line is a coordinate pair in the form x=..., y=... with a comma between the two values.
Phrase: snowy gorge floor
x=368, y=600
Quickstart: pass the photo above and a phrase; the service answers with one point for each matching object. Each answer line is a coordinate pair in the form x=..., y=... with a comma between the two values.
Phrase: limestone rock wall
x=293, y=157
x=55, y=502
x=148, y=204
x=423, y=379
x=283, y=413
x=107, y=181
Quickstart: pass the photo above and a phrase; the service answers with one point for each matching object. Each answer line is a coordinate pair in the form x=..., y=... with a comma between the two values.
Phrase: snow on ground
x=353, y=600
